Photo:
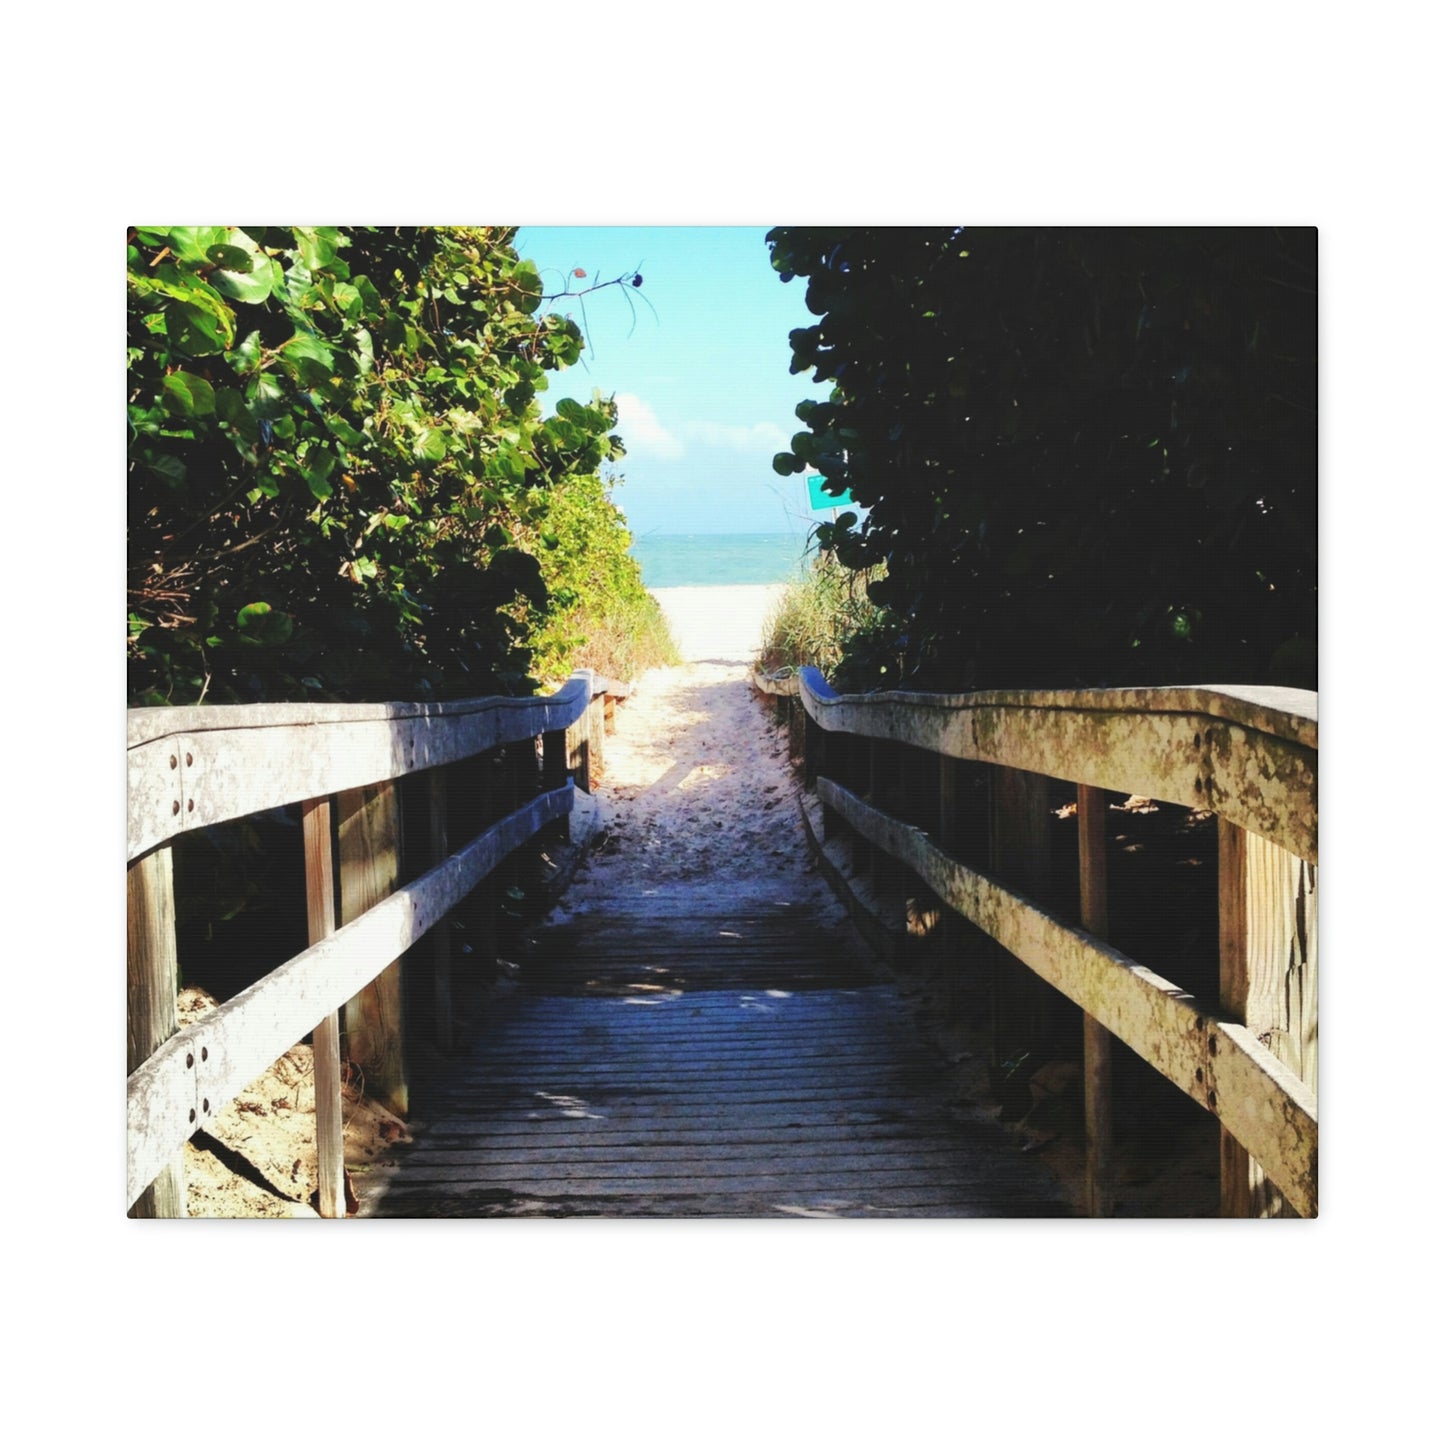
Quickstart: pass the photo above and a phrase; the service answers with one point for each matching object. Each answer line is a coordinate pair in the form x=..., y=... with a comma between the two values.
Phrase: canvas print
x=722, y=722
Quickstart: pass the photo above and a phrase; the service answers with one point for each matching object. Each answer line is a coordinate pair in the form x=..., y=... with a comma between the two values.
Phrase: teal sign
x=819, y=500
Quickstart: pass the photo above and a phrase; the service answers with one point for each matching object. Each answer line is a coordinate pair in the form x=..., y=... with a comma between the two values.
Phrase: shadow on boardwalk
x=704, y=1035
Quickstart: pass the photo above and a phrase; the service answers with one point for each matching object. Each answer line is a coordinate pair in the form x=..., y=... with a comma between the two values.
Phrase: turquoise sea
x=719, y=560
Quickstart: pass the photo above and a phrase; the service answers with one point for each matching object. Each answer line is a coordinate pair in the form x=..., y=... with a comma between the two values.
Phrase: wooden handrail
x=1248, y=755
x=199, y=1070
x=196, y=767
x=1212, y=1059
x=193, y=767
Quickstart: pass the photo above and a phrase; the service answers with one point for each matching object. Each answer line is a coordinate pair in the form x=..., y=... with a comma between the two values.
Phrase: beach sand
x=695, y=788
x=719, y=624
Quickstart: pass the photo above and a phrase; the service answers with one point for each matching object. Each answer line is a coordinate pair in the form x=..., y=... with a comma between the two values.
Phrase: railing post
x=316, y=832
x=492, y=802
x=554, y=775
x=888, y=787
x=869, y=781
x=823, y=757
x=512, y=792
x=852, y=765
x=1019, y=856
x=439, y=850
x=1268, y=979
x=595, y=733
x=151, y=987
x=579, y=757
x=915, y=779
x=529, y=771
x=1093, y=814
x=948, y=830
x=369, y=845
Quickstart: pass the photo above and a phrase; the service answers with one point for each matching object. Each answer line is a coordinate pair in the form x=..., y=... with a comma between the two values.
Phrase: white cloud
x=762, y=436
x=640, y=429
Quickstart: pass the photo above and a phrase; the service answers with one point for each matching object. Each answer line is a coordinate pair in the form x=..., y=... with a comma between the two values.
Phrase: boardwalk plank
x=717, y=1065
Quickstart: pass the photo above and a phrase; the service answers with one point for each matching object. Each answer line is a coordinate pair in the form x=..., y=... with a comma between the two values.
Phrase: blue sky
x=703, y=388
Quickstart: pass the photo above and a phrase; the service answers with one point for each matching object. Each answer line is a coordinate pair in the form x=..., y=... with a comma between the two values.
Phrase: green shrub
x=601, y=616
x=334, y=446
x=826, y=620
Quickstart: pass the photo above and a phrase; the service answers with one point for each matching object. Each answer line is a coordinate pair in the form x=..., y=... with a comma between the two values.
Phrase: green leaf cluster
x=335, y=454
x=1088, y=457
x=602, y=616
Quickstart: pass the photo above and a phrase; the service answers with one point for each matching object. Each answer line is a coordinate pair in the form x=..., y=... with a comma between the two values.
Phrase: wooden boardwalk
x=702, y=1064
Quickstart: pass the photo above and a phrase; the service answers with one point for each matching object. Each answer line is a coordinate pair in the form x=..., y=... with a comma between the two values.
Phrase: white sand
x=719, y=624
x=698, y=800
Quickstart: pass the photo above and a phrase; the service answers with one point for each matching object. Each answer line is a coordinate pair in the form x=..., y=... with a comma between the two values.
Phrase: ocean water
x=720, y=560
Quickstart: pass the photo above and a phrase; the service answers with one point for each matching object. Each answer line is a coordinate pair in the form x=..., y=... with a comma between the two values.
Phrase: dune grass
x=819, y=616
x=629, y=637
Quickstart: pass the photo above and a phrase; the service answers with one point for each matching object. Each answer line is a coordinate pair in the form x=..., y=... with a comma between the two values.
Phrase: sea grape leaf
x=261, y=624
x=191, y=245
x=431, y=444
x=189, y=395
x=263, y=280
x=308, y=359
x=230, y=258
x=199, y=323
x=232, y=409
x=317, y=469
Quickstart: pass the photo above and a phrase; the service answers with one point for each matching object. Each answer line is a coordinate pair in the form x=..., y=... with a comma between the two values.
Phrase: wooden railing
x=1247, y=755
x=196, y=767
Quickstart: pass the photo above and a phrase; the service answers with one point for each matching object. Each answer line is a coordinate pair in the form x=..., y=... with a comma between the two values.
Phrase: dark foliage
x=1089, y=456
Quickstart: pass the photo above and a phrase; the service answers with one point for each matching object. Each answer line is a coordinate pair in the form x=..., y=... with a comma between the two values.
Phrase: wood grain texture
x=579, y=755
x=596, y=733
x=1093, y=812
x=441, y=938
x=1268, y=980
x=368, y=845
x=1023, y=1009
x=317, y=837
x=237, y=1042
x=1250, y=755
x=1217, y=1063
x=197, y=766
x=151, y=1019
x=734, y=1063
x=554, y=775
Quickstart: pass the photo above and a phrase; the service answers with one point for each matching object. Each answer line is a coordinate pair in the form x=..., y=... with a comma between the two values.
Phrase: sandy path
x=719, y=624
x=697, y=797
x=698, y=800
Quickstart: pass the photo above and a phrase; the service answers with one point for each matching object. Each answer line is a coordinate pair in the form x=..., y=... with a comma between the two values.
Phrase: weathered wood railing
x=196, y=767
x=1249, y=756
